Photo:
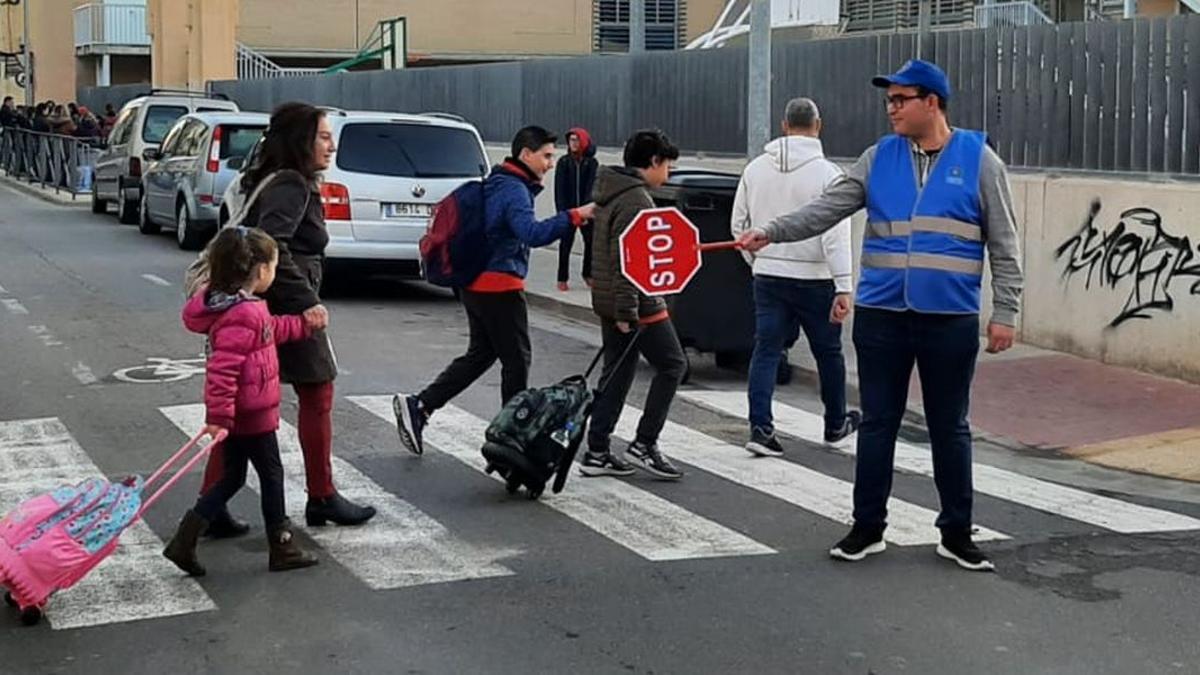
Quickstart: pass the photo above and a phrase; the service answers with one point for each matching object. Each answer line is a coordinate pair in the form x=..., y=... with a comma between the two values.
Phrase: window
x=410, y=150
x=665, y=24
x=191, y=140
x=159, y=120
x=171, y=142
x=123, y=127
x=238, y=141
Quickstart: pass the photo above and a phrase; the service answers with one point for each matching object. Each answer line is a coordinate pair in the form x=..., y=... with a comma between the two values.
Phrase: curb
x=44, y=194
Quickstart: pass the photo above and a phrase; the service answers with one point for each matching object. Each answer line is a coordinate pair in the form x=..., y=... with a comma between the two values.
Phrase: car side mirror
x=152, y=154
x=236, y=163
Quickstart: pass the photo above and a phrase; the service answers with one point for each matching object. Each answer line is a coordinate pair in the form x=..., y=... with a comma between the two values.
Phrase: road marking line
x=45, y=336
x=641, y=521
x=154, y=279
x=14, y=306
x=908, y=524
x=401, y=546
x=1105, y=512
x=84, y=374
x=134, y=583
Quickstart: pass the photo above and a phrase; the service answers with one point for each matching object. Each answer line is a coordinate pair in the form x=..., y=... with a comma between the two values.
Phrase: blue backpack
x=454, y=249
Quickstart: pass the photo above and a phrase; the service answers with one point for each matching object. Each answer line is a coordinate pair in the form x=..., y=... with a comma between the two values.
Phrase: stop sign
x=660, y=251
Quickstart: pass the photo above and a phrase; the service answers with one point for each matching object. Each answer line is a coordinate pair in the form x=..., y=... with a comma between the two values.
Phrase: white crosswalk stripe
x=401, y=546
x=908, y=524
x=135, y=582
x=639, y=520
x=1098, y=510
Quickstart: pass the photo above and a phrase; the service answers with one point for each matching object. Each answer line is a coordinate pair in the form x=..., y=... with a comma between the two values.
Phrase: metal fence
x=64, y=163
x=1108, y=96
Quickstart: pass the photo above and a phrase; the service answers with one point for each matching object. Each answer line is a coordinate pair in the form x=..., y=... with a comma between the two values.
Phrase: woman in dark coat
x=297, y=146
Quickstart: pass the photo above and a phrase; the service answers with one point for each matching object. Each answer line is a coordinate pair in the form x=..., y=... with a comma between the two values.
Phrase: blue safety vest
x=923, y=248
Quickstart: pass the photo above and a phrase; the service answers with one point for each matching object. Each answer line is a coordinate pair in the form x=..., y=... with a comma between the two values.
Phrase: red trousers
x=315, y=427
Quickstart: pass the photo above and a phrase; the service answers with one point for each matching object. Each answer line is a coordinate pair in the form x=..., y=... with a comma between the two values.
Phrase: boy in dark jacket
x=573, y=180
x=621, y=192
x=495, y=302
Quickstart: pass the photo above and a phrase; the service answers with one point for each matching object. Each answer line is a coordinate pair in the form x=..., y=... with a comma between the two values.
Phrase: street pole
x=1130, y=9
x=758, y=101
x=637, y=26
x=924, y=19
x=28, y=65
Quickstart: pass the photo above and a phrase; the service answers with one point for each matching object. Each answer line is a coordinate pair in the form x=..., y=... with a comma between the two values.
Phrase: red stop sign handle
x=720, y=245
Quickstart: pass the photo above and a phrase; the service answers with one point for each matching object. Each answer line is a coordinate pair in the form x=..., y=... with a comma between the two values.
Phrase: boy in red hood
x=574, y=177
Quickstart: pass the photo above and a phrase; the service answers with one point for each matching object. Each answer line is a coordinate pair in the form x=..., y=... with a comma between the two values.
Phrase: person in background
x=574, y=177
x=798, y=285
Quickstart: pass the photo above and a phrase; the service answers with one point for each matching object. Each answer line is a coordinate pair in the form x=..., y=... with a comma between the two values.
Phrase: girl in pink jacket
x=241, y=390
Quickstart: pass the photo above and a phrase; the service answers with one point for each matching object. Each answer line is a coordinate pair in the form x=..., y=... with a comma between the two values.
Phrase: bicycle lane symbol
x=160, y=370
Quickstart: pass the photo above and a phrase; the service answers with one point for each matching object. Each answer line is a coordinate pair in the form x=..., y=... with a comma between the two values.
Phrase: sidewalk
x=47, y=194
x=1027, y=397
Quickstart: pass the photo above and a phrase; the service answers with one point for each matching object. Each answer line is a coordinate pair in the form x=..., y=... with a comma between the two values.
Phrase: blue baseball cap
x=918, y=73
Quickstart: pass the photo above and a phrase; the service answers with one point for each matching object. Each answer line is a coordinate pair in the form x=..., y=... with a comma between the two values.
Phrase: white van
x=142, y=124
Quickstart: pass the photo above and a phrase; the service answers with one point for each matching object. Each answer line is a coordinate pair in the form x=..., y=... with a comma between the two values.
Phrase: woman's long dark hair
x=287, y=144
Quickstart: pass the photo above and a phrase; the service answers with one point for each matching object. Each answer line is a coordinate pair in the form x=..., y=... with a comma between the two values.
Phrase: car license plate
x=407, y=210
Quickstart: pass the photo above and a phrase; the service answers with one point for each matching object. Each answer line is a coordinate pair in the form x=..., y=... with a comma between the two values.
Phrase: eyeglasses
x=898, y=100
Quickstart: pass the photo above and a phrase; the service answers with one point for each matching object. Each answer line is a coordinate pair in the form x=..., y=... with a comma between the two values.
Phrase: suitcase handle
x=188, y=465
x=603, y=384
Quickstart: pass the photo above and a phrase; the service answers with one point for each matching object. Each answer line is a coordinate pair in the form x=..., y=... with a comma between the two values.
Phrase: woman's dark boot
x=338, y=510
x=181, y=550
x=285, y=553
x=225, y=526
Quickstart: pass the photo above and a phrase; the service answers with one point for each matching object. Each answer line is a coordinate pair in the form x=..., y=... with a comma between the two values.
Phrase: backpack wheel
x=31, y=616
x=534, y=493
x=512, y=485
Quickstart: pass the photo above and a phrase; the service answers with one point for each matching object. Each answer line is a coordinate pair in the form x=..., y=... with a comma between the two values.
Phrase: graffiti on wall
x=1137, y=254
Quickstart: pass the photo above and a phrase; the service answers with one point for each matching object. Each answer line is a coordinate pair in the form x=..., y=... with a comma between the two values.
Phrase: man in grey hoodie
x=803, y=284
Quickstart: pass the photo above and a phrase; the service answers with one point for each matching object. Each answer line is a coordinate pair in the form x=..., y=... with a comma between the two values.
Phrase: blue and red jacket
x=513, y=229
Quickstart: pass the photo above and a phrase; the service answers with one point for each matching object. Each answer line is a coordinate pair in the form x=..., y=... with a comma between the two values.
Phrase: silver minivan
x=142, y=124
x=388, y=172
x=184, y=180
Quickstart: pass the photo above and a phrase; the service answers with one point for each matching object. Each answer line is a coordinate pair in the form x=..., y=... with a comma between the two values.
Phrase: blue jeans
x=944, y=348
x=782, y=307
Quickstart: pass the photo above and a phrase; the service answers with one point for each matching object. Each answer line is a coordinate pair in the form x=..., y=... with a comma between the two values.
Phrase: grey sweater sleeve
x=1003, y=245
x=840, y=200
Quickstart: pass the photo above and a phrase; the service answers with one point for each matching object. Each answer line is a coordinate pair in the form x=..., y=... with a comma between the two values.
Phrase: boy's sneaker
x=957, y=546
x=860, y=543
x=853, y=421
x=764, y=444
x=604, y=464
x=411, y=418
x=649, y=458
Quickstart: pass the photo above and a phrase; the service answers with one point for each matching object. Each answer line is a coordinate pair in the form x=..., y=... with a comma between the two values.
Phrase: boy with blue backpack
x=494, y=294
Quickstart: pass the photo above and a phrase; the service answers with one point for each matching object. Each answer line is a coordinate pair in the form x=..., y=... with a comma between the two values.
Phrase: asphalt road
x=723, y=572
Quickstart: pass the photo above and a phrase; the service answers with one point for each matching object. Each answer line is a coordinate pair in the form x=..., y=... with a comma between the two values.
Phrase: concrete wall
x=1121, y=286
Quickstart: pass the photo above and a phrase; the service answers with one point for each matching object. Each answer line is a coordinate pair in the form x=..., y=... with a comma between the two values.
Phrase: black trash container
x=715, y=313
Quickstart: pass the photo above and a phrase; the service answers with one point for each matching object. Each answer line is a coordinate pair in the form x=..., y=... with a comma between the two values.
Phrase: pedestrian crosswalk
x=406, y=546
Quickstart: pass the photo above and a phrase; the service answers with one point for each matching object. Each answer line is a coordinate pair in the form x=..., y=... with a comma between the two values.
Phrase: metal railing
x=1010, y=14
x=254, y=66
x=111, y=24
x=64, y=163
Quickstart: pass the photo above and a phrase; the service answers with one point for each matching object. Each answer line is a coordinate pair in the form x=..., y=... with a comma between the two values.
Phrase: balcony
x=1010, y=14
x=111, y=28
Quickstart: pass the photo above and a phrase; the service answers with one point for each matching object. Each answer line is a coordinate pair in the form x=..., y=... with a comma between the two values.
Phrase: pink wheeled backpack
x=51, y=541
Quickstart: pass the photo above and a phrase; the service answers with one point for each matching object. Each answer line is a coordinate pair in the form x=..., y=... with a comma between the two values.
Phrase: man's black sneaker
x=860, y=543
x=410, y=421
x=959, y=548
x=764, y=444
x=853, y=420
x=650, y=459
x=604, y=464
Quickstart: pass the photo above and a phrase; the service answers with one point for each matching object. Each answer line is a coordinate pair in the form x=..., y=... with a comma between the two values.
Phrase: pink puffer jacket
x=241, y=385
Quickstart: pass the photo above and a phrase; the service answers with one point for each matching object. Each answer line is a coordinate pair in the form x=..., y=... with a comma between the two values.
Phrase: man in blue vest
x=936, y=199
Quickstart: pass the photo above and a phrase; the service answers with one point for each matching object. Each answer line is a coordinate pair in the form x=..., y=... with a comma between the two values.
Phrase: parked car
x=388, y=172
x=142, y=124
x=184, y=180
